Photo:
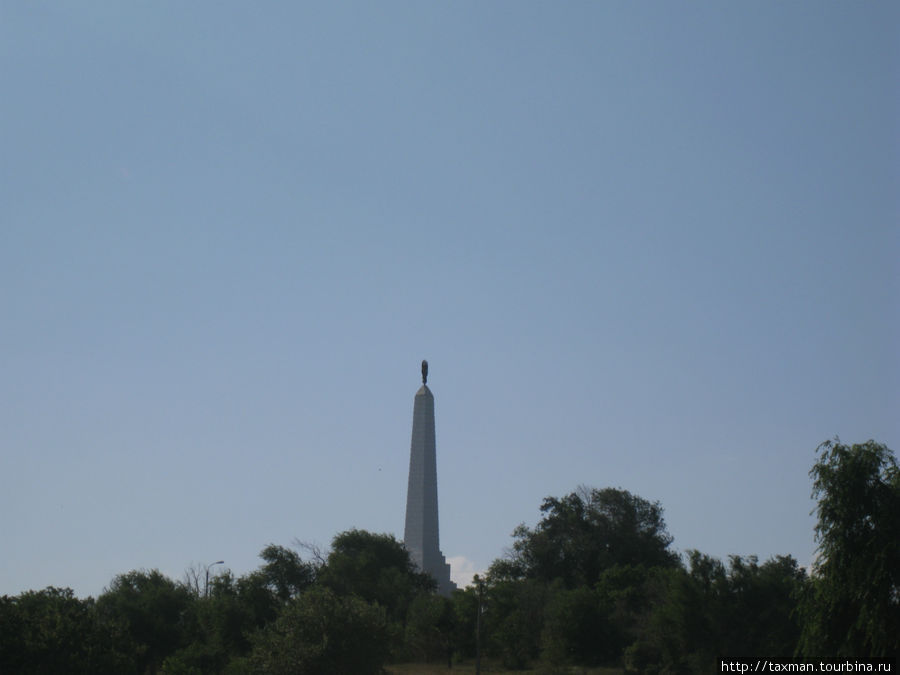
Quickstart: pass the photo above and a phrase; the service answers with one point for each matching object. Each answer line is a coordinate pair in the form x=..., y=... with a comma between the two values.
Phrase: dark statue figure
x=424, y=372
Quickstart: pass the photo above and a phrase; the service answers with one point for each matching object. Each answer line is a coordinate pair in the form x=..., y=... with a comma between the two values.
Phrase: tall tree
x=156, y=611
x=375, y=567
x=587, y=532
x=852, y=608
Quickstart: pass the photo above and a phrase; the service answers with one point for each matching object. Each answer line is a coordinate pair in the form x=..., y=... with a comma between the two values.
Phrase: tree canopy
x=594, y=583
x=853, y=607
x=587, y=532
x=323, y=632
x=374, y=567
x=155, y=610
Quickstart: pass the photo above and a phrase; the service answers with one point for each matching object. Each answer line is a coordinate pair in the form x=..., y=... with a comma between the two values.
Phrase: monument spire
x=420, y=535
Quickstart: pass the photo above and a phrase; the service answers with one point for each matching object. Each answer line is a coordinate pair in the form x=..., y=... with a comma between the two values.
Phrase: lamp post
x=479, y=584
x=206, y=588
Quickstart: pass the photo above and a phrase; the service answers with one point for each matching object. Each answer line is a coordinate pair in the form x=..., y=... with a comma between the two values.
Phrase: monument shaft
x=421, y=535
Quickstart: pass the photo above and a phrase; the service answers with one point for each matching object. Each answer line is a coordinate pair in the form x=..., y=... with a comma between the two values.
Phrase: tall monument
x=421, y=533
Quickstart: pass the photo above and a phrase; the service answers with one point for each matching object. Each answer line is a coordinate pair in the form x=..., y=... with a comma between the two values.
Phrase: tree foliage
x=376, y=568
x=852, y=608
x=323, y=632
x=52, y=631
x=285, y=572
x=578, y=628
x=594, y=583
x=430, y=624
x=587, y=532
x=155, y=611
x=712, y=609
x=513, y=620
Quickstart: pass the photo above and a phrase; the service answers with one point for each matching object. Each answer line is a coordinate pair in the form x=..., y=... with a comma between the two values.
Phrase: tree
x=52, y=631
x=762, y=616
x=713, y=609
x=323, y=632
x=588, y=531
x=577, y=628
x=430, y=628
x=465, y=606
x=375, y=567
x=285, y=572
x=235, y=608
x=682, y=631
x=852, y=608
x=156, y=612
x=630, y=592
x=512, y=620
x=223, y=621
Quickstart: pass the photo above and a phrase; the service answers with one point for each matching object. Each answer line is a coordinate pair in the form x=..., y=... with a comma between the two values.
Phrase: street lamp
x=206, y=588
x=479, y=584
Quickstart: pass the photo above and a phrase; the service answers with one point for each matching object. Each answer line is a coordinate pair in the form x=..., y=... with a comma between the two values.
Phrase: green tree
x=713, y=609
x=52, y=631
x=465, y=620
x=588, y=531
x=513, y=619
x=222, y=622
x=681, y=632
x=285, y=572
x=430, y=626
x=594, y=625
x=323, y=632
x=577, y=628
x=852, y=608
x=630, y=592
x=375, y=567
x=157, y=613
x=761, y=616
x=236, y=608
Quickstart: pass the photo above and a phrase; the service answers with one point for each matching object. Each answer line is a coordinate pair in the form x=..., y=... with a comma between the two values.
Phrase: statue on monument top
x=424, y=372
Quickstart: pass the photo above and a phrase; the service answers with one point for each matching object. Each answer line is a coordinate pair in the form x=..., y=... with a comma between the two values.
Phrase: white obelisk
x=421, y=533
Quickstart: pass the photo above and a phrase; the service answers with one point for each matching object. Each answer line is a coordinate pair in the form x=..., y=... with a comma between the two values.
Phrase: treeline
x=595, y=582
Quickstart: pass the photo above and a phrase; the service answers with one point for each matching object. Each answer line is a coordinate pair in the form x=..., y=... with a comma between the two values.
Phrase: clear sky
x=642, y=245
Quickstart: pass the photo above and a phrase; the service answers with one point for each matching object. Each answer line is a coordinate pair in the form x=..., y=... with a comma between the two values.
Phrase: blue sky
x=643, y=245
